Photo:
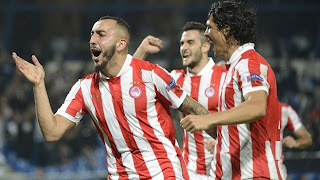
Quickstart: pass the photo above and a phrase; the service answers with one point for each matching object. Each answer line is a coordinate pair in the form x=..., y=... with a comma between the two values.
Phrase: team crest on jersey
x=135, y=91
x=209, y=92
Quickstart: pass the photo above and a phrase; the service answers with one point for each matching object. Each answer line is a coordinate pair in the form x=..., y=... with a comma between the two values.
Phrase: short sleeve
x=166, y=86
x=253, y=76
x=73, y=107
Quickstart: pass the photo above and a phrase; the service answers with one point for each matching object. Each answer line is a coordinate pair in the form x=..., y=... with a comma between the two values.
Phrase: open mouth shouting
x=95, y=53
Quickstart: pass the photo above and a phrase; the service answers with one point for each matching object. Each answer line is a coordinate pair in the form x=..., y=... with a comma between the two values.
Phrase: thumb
x=35, y=60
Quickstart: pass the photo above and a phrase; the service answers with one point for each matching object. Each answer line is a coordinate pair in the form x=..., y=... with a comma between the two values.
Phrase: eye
x=208, y=28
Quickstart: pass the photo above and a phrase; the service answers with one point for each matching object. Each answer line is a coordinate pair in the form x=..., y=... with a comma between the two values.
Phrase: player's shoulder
x=219, y=68
x=253, y=56
x=178, y=71
x=142, y=64
x=90, y=76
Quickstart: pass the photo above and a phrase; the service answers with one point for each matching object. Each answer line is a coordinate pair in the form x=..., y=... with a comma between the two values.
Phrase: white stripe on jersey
x=271, y=162
x=144, y=146
x=243, y=141
x=225, y=155
x=114, y=127
x=112, y=168
x=122, y=122
x=246, y=158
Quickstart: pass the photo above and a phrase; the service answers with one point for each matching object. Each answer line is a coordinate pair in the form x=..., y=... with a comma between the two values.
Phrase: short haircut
x=196, y=26
x=121, y=23
x=242, y=21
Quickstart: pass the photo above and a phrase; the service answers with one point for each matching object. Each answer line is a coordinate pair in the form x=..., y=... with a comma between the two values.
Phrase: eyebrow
x=98, y=31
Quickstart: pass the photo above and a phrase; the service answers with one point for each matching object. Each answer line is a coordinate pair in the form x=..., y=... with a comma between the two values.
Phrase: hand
x=209, y=145
x=195, y=123
x=149, y=45
x=289, y=142
x=33, y=72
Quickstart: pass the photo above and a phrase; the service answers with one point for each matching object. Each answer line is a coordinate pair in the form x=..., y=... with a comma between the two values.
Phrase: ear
x=205, y=47
x=122, y=44
x=226, y=31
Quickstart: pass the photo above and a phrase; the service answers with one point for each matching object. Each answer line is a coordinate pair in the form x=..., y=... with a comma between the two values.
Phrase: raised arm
x=149, y=45
x=52, y=127
x=303, y=139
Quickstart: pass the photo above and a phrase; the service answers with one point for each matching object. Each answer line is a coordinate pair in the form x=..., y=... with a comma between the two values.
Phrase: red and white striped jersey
x=290, y=120
x=204, y=88
x=131, y=113
x=247, y=151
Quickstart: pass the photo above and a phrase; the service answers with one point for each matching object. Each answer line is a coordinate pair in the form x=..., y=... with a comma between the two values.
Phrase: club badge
x=135, y=91
x=209, y=92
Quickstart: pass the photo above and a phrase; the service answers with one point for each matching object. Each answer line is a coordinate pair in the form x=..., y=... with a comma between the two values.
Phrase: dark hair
x=196, y=26
x=242, y=21
x=120, y=22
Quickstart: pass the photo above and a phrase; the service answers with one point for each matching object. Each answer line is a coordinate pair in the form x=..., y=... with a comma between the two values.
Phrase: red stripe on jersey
x=141, y=113
x=234, y=151
x=76, y=104
x=163, y=74
x=186, y=146
x=258, y=137
x=198, y=137
x=181, y=78
x=168, y=128
x=218, y=172
x=116, y=93
x=97, y=102
x=259, y=151
x=141, y=64
x=101, y=136
x=273, y=149
x=290, y=124
x=215, y=83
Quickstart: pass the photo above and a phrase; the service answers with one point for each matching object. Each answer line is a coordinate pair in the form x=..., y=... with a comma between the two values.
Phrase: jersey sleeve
x=171, y=94
x=294, y=122
x=73, y=107
x=252, y=76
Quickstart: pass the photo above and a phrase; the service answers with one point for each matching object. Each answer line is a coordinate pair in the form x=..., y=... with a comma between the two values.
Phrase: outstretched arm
x=302, y=141
x=52, y=127
x=252, y=109
x=149, y=45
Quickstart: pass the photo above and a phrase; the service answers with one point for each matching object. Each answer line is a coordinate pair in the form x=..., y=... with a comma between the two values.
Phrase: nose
x=183, y=46
x=206, y=32
x=93, y=39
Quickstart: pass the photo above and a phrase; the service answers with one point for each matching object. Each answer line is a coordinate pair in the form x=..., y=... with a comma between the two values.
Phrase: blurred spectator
x=58, y=35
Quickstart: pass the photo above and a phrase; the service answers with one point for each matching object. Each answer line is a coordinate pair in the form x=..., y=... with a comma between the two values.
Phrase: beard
x=195, y=61
x=106, y=59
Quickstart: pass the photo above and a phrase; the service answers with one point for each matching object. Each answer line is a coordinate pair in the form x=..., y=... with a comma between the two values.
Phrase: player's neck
x=114, y=66
x=198, y=68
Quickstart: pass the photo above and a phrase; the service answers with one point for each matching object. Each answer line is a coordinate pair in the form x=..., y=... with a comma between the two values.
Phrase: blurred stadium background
x=58, y=31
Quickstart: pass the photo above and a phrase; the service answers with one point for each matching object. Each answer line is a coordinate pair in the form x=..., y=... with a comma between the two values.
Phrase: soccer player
x=128, y=100
x=201, y=80
x=247, y=123
x=290, y=120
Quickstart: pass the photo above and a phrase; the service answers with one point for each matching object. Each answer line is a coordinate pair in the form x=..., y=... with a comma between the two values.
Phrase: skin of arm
x=253, y=108
x=53, y=127
x=191, y=106
x=149, y=45
x=302, y=141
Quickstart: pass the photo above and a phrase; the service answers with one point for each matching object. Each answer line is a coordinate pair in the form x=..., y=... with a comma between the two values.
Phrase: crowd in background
x=62, y=47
